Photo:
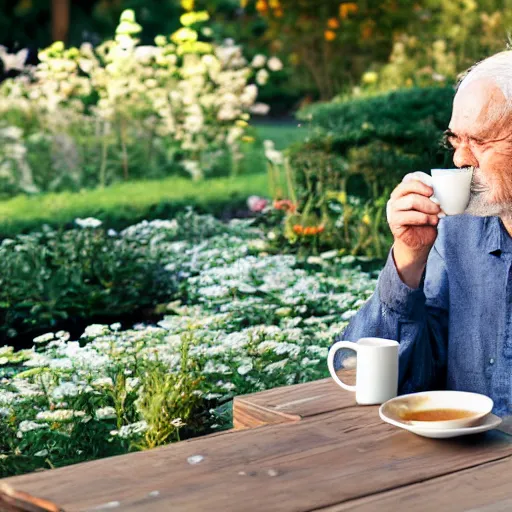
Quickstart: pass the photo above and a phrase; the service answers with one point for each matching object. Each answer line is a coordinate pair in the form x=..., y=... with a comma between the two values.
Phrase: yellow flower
x=241, y=123
x=160, y=40
x=408, y=82
x=261, y=6
x=346, y=9
x=248, y=138
x=189, y=18
x=184, y=34
x=329, y=35
x=274, y=4
x=342, y=198
x=243, y=3
x=370, y=77
x=366, y=219
x=333, y=23
x=188, y=5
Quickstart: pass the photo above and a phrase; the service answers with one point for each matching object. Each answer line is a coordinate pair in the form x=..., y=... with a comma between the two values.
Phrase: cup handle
x=330, y=362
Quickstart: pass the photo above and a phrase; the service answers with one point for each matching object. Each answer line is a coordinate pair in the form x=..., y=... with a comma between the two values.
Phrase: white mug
x=376, y=369
x=452, y=189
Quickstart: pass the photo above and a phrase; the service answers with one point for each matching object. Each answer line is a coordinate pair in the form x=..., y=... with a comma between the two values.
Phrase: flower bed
x=248, y=320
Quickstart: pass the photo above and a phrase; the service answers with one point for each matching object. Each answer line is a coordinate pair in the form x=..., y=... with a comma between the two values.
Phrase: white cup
x=452, y=188
x=376, y=369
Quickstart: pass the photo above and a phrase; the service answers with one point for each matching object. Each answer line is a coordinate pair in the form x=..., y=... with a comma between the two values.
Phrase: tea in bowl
x=438, y=409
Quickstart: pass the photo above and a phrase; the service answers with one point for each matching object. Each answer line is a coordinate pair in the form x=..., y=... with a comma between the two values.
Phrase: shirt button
x=491, y=361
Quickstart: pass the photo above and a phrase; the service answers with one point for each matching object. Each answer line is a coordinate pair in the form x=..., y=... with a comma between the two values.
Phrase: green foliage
x=378, y=139
x=50, y=276
x=123, y=204
x=359, y=150
x=251, y=321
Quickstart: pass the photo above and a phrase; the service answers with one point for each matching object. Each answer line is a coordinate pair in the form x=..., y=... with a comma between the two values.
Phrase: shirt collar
x=492, y=236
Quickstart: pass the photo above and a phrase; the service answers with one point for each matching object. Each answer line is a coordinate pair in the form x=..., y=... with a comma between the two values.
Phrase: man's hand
x=413, y=218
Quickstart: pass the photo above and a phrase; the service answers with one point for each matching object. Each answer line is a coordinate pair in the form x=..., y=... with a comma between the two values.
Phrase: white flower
x=95, y=330
x=348, y=314
x=59, y=415
x=63, y=335
x=131, y=430
x=262, y=77
x=258, y=61
x=89, y=222
x=245, y=369
x=178, y=423
x=103, y=382
x=65, y=389
x=115, y=327
x=105, y=413
x=329, y=254
x=28, y=426
x=272, y=367
x=274, y=64
x=44, y=338
x=260, y=109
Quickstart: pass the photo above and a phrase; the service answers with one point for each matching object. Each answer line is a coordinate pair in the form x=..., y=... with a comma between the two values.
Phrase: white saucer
x=488, y=423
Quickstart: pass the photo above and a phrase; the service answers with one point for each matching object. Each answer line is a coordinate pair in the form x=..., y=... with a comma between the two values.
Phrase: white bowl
x=479, y=405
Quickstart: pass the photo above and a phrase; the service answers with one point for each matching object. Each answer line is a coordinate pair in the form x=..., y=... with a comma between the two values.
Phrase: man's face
x=480, y=132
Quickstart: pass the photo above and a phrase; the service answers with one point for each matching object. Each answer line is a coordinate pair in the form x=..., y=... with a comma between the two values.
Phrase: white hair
x=497, y=68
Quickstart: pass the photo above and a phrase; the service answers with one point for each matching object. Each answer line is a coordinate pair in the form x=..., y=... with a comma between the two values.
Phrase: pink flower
x=256, y=203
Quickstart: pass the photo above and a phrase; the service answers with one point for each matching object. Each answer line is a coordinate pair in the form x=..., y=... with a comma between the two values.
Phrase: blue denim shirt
x=455, y=330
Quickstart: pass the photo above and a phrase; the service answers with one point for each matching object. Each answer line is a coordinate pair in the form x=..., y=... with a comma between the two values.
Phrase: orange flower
x=285, y=204
x=261, y=6
x=329, y=35
x=346, y=9
x=366, y=32
x=333, y=23
x=298, y=229
x=278, y=13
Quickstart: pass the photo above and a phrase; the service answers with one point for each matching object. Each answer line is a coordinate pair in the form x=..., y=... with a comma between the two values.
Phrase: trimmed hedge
x=376, y=140
x=121, y=205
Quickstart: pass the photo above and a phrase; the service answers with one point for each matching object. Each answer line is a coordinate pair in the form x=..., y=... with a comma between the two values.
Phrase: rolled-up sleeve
x=416, y=318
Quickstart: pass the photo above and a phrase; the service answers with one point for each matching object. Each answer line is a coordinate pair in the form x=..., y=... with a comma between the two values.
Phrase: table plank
x=321, y=461
x=485, y=488
x=291, y=403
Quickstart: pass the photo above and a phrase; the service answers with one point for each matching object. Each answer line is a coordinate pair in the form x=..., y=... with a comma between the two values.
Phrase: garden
x=192, y=201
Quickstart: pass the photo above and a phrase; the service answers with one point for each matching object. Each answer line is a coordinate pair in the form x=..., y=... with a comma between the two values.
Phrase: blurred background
x=219, y=168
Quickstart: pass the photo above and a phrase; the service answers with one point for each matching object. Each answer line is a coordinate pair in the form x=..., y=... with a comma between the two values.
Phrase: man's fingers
x=412, y=187
x=418, y=176
x=413, y=218
x=416, y=202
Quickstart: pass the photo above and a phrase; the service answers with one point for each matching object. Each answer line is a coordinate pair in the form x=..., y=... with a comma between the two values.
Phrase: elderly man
x=445, y=293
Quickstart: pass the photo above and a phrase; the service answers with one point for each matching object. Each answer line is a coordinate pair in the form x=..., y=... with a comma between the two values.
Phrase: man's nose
x=464, y=157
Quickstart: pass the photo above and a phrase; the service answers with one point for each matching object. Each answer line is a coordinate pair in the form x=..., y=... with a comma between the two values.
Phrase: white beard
x=479, y=207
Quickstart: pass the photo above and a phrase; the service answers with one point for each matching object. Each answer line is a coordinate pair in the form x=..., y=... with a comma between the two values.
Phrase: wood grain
x=323, y=460
x=485, y=488
x=288, y=404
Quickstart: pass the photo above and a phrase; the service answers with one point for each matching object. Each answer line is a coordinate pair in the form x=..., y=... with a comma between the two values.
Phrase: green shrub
x=378, y=139
x=127, y=203
x=50, y=276
x=359, y=150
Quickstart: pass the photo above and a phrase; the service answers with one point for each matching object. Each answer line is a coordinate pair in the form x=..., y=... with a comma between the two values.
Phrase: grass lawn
x=126, y=203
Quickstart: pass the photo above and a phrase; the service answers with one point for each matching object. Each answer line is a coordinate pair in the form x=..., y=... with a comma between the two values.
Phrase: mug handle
x=330, y=362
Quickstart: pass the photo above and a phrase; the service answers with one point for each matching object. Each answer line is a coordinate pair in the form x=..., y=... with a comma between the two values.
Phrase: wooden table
x=299, y=448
